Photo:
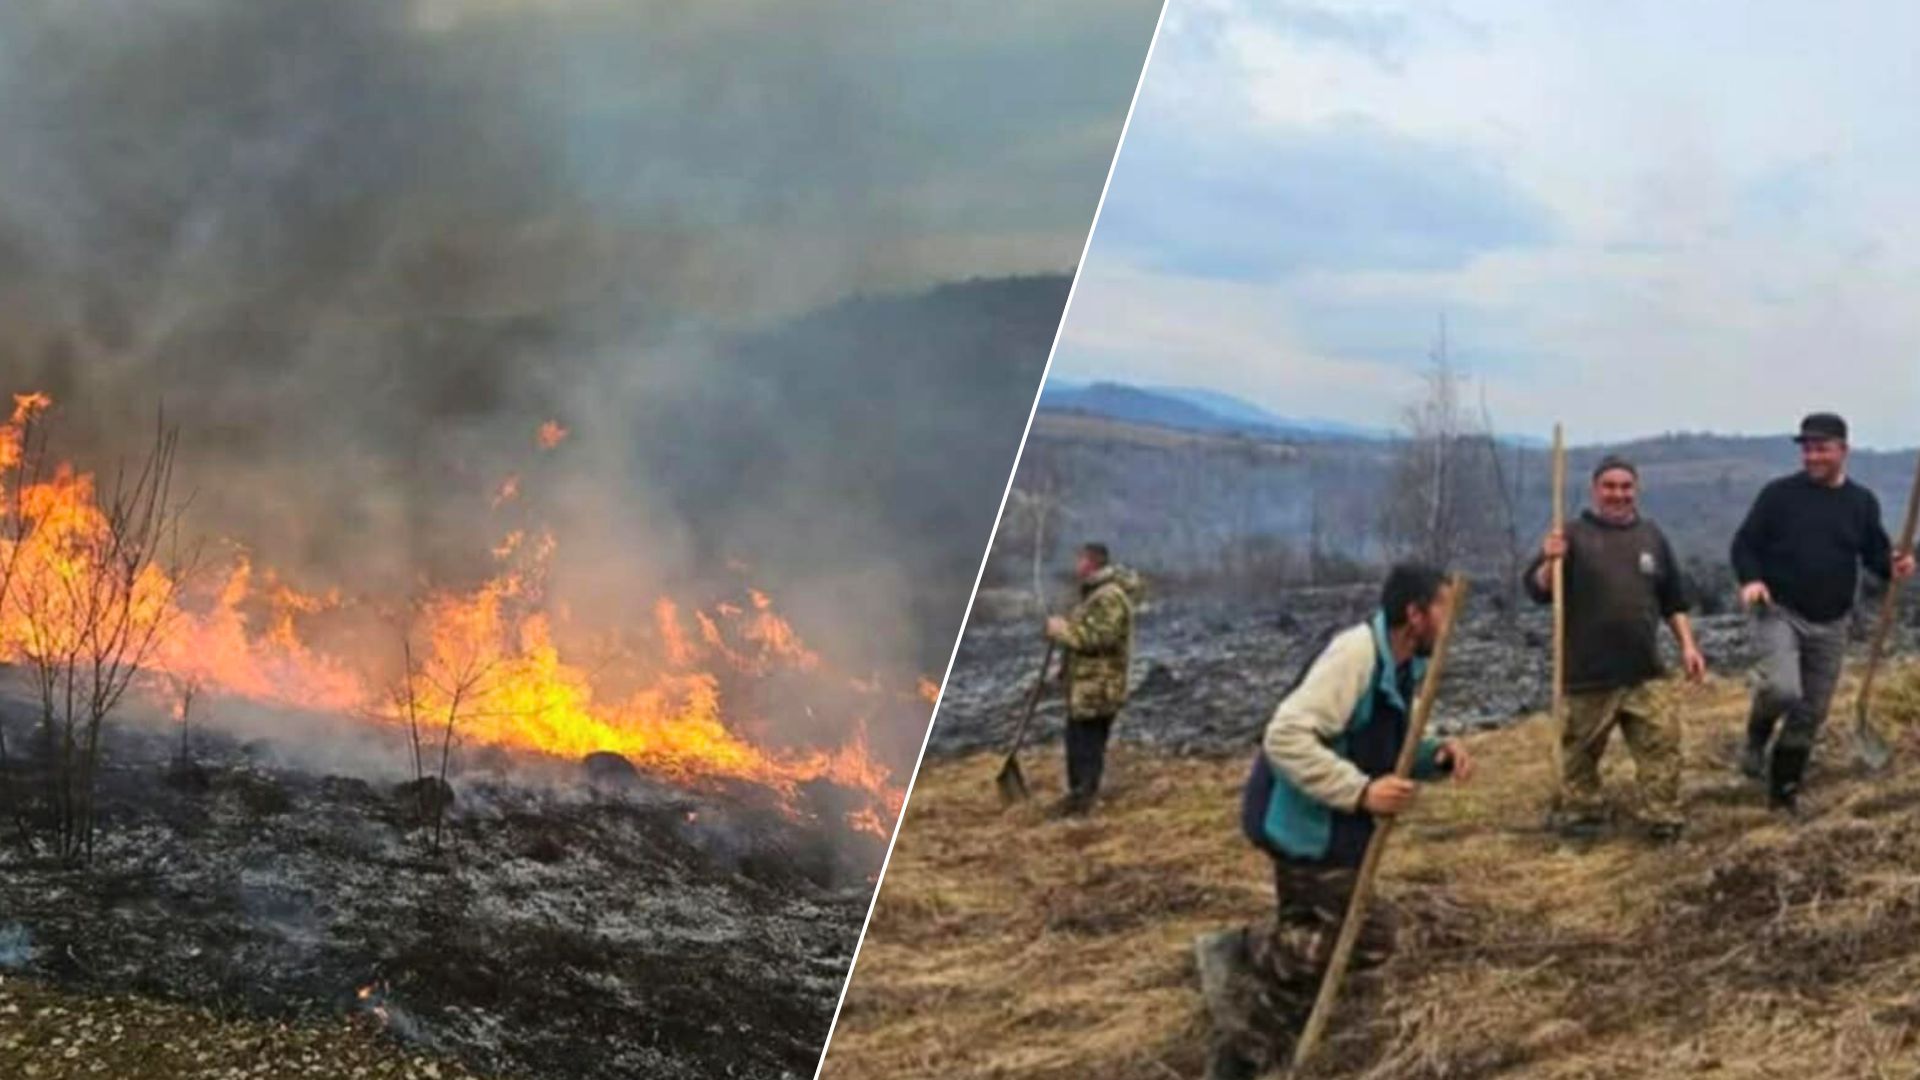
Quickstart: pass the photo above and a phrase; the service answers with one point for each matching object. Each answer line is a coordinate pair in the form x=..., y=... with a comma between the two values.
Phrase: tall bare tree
x=94, y=612
x=1421, y=515
x=22, y=461
x=1510, y=497
x=1446, y=488
x=1036, y=511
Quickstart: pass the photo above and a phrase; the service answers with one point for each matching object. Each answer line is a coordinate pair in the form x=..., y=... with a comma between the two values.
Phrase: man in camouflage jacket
x=1098, y=639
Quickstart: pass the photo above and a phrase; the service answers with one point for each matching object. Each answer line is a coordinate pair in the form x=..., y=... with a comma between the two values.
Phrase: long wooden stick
x=1377, y=843
x=1559, y=572
x=1887, y=605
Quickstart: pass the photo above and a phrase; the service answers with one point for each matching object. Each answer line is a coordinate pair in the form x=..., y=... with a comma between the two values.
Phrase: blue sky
x=1636, y=217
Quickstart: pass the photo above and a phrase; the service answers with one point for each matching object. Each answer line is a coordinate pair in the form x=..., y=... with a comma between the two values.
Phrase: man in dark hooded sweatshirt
x=1622, y=582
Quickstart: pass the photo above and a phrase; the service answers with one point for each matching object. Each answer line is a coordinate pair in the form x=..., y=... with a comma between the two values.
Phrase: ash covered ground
x=1207, y=672
x=566, y=928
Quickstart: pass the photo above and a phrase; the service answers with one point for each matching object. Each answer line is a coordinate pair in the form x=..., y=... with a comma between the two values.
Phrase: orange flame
x=508, y=490
x=552, y=434
x=489, y=657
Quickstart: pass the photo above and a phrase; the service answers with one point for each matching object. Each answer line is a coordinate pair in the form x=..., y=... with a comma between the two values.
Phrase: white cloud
x=1731, y=189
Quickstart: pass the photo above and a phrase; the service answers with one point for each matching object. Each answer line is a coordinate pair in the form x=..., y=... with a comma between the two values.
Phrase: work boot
x=1784, y=780
x=1760, y=732
x=1665, y=832
x=1577, y=822
x=1753, y=761
x=1226, y=1063
x=1073, y=804
x=1221, y=959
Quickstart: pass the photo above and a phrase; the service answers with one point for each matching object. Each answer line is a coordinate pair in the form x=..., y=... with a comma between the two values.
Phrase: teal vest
x=1300, y=825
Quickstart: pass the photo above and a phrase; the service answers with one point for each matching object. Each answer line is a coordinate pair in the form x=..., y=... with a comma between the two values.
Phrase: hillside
x=1189, y=409
x=1015, y=946
x=1181, y=502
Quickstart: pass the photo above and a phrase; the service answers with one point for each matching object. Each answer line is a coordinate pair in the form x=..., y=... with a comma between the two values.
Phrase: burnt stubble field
x=568, y=924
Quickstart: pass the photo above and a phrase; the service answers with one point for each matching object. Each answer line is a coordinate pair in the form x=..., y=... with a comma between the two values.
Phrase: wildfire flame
x=373, y=998
x=508, y=490
x=488, y=657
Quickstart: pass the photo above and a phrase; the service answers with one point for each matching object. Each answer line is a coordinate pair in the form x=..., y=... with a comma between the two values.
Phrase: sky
x=843, y=145
x=1634, y=217
x=787, y=155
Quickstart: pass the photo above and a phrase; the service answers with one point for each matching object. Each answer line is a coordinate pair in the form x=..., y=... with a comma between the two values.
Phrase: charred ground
x=1207, y=673
x=564, y=928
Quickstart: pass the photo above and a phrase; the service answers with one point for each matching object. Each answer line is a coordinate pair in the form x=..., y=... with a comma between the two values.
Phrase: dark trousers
x=1087, y=753
x=1799, y=668
x=1287, y=954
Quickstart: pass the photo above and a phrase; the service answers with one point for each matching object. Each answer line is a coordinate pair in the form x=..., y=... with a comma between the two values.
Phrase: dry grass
x=1013, y=945
x=47, y=1033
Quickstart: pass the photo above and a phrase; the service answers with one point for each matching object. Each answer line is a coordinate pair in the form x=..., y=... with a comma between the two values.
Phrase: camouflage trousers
x=1645, y=718
x=1286, y=955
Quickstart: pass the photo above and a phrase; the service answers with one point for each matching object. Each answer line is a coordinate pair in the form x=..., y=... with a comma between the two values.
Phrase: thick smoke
x=361, y=250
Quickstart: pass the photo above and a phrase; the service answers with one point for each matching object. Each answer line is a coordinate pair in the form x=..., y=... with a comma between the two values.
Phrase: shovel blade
x=1871, y=750
x=1011, y=782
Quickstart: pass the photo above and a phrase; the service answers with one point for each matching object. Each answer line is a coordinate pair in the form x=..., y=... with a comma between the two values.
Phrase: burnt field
x=1207, y=672
x=1014, y=943
x=604, y=925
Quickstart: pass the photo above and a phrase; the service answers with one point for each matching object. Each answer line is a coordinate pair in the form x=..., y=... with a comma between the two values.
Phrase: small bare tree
x=443, y=690
x=95, y=611
x=186, y=688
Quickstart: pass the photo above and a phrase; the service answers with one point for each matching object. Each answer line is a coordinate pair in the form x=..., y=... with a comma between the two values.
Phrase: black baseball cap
x=1612, y=462
x=1822, y=425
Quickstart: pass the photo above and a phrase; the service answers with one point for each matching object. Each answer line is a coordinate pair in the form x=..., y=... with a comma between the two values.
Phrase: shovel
x=1868, y=746
x=1011, y=782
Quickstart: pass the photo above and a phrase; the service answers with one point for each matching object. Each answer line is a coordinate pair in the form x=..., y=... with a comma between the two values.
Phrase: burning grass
x=683, y=902
x=497, y=663
x=1014, y=945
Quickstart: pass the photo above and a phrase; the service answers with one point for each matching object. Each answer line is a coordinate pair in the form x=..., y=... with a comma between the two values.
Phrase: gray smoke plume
x=362, y=249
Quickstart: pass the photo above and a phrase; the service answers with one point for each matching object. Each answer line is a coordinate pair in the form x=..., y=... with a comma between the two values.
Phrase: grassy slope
x=1013, y=945
x=51, y=1034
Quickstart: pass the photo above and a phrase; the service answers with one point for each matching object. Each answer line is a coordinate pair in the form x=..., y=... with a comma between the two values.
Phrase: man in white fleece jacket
x=1331, y=747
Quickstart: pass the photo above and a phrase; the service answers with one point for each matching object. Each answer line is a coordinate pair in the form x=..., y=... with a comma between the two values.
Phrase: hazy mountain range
x=1191, y=409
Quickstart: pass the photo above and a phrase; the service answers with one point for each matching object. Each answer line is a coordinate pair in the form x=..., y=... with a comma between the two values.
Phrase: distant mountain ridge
x=1183, y=501
x=1214, y=412
x=1191, y=409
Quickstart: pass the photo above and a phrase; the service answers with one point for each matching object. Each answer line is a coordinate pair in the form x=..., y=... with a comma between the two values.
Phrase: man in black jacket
x=1798, y=557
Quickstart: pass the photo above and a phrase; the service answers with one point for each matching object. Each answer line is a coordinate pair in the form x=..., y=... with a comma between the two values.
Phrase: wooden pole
x=1559, y=572
x=1377, y=844
x=1887, y=606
